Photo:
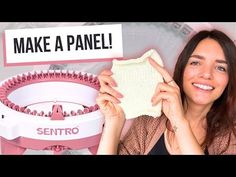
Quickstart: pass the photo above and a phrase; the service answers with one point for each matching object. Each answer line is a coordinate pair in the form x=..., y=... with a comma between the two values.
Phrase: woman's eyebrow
x=197, y=56
x=202, y=57
x=221, y=61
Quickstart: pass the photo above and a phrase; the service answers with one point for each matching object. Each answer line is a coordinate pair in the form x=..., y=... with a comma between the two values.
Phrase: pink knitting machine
x=50, y=110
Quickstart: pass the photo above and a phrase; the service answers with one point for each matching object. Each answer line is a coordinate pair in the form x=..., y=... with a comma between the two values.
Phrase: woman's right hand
x=108, y=99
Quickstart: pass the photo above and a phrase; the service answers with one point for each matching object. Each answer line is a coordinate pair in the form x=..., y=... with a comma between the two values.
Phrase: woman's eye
x=221, y=68
x=194, y=63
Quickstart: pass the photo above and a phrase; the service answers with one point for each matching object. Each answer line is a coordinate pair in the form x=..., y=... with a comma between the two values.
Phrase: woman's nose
x=206, y=73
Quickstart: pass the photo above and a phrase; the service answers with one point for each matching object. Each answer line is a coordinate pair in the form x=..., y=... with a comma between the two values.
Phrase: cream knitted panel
x=136, y=79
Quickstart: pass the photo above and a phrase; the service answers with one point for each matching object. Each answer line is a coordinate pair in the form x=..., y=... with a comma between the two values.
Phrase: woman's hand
x=108, y=98
x=172, y=107
x=169, y=93
x=108, y=101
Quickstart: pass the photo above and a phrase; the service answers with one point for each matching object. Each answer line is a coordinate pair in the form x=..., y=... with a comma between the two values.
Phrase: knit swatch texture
x=137, y=80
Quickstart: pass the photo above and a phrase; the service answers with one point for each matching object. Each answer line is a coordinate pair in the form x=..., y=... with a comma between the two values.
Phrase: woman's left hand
x=169, y=93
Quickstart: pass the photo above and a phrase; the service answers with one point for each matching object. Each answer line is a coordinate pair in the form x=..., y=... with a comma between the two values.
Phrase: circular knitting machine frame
x=50, y=110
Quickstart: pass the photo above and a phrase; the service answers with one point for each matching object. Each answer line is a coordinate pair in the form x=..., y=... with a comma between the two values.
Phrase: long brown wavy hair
x=221, y=117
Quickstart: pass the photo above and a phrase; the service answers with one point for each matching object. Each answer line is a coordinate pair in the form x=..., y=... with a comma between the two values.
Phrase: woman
x=198, y=104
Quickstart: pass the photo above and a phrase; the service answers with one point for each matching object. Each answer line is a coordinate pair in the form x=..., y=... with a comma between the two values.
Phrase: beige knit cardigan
x=146, y=131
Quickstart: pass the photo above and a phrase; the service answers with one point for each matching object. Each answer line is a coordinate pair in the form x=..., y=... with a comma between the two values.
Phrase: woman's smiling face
x=205, y=75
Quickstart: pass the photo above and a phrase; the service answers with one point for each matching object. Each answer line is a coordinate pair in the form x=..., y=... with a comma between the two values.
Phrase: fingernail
x=118, y=101
x=120, y=95
x=150, y=59
x=113, y=84
x=110, y=72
